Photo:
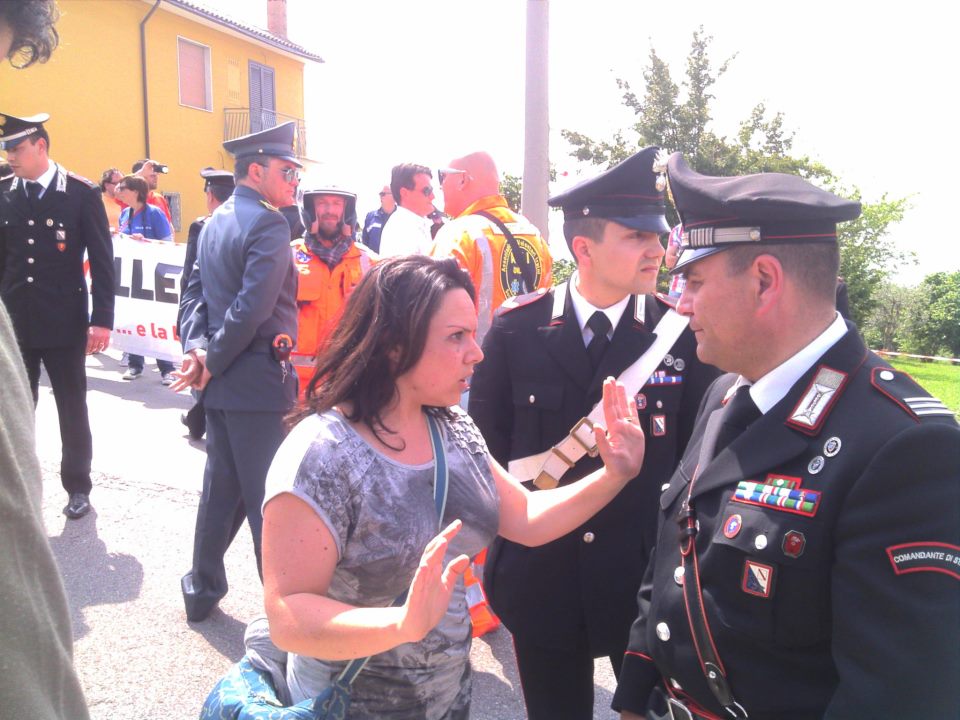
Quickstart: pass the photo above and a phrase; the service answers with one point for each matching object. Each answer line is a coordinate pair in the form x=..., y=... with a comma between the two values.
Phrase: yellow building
x=163, y=79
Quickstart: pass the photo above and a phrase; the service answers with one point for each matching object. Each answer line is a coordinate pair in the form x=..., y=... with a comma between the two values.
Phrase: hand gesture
x=429, y=594
x=622, y=443
x=193, y=372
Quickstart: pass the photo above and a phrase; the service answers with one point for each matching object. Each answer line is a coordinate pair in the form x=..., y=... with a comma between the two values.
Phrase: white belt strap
x=548, y=467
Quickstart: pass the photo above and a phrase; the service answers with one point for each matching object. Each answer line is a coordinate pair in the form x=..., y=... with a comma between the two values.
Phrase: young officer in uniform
x=547, y=353
x=50, y=218
x=808, y=557
x=239, y=323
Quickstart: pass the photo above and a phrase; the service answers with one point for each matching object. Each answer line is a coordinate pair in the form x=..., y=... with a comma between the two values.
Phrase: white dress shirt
x=405, y=233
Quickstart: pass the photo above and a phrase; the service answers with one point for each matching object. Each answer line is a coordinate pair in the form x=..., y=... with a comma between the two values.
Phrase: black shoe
x=197, y=603
x=78, y=506
x=195, y=421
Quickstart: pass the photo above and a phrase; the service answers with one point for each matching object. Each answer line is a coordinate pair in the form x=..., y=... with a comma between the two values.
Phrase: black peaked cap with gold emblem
x=277, y=142
x=14, y=130
x=626, y=194
x=719, y=212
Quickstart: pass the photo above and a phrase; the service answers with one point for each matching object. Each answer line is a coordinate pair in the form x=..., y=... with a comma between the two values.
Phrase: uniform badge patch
x=61, y=235
x=832, y=446
x=816, y=465
x=816, y=402
x=641, y=401
x=794, y=543
x=302, y=257
x=925, y=557
x=62, y=246
x=679, y=364
x=658, y=425
x=731, y=528
x=797, y=501
x=668, y=360
x=757, y=579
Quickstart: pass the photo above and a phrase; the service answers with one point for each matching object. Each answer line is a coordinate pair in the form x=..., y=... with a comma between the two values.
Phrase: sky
x=863, y=89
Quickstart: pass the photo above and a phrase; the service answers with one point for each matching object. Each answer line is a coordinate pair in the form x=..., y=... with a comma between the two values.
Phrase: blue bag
x=247, y=692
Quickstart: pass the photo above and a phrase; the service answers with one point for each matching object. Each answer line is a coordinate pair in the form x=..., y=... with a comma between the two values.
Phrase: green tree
x=511, y=188
x=887, y=325
x=678, y=117
x=934, y=323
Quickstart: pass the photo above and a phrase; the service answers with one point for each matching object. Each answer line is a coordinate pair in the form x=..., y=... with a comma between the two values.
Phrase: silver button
x=760, y=542
x=675, y=684
x=29, y=241
x=886, y=375
x=663, y=488
x=663, y=631
x=588, y=537
x=532, y=399
x=29, y=279
x=678, y=575
x=659, y=404
x=30, y=261
x=30, y=222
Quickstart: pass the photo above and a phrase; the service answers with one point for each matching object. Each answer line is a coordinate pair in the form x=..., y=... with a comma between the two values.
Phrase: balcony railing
x=242, y=121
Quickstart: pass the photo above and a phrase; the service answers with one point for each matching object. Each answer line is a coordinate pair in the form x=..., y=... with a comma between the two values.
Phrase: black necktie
x=33, y=190
x=738, y=413
x=600, y=324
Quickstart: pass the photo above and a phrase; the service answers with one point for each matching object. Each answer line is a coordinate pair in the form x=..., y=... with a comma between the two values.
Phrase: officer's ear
x=581, y=247
x=767, y=273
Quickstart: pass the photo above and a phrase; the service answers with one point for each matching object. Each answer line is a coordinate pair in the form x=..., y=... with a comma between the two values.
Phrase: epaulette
x=519, y=301
x=670, y=302
x=82, y=179
x=202, y=218
x=906, y=393
x=6, y=178
x=270, y=207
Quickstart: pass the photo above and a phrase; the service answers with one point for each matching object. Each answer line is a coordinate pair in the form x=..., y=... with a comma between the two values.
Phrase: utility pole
x=536, y=159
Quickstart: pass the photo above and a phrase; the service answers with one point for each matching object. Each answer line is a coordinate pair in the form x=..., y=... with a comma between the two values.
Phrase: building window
x=194, y=65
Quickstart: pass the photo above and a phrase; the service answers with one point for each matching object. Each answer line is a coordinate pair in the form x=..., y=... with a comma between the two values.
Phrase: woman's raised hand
x=622, y=442
x=429, y=594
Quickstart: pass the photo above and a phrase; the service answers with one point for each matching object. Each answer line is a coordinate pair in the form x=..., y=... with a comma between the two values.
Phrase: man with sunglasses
x=409, y=229
x=375, y=220
x=239, y=323
x=502, y=250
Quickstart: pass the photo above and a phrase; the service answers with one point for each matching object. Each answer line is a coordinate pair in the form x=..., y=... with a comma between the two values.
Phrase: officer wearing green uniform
x=807, y=562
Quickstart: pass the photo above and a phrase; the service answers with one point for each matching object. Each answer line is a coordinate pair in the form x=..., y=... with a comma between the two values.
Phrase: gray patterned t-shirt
x=381, y=514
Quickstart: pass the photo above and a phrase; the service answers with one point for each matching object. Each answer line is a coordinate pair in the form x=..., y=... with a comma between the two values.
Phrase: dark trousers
x=558, y=684
x=66, y=368
x=240, y=448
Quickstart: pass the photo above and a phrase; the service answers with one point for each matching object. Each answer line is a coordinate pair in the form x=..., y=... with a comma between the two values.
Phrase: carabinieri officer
x=807, y=563
x=547, y=354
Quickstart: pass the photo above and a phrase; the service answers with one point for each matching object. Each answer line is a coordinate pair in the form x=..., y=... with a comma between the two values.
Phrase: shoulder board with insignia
x=81, y=178
x=905, y=392
x=519, y=301
x=670, y=302
x=269, y=207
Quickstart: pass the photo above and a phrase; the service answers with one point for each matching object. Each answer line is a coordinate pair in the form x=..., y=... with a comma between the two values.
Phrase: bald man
x=502, y=250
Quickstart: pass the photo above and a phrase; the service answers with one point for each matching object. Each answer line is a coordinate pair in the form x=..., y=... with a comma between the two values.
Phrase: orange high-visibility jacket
x=482, y=250
x=321, y=295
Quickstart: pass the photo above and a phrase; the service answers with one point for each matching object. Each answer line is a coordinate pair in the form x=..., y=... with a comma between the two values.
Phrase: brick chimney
x=277, y=18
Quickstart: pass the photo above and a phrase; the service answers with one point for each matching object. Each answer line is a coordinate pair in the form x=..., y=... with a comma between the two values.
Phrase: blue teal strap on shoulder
x=441, y=478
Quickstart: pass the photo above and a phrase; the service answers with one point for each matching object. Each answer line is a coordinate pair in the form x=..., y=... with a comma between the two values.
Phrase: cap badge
x=660, y=168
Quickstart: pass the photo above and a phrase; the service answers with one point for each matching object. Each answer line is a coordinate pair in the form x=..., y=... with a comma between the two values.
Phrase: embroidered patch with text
x=925, y=557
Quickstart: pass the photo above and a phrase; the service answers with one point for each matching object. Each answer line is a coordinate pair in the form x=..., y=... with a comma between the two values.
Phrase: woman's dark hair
x=34, y=36
x=380, y=336
x=138, y=185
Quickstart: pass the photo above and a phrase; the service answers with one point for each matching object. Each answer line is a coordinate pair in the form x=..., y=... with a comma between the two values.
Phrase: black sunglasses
x=442, y=174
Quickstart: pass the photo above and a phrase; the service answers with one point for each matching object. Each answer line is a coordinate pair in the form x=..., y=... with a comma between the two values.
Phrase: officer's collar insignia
x=559, y=300
x=639, y=309
x=817, y=401
x=269, y=207
x=785, y=499
x=757, y=578
x=61, y=180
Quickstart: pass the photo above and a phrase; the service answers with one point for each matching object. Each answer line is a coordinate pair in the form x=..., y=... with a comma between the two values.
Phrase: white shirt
x=406, y=233
x=583, y=310
x=773, y=387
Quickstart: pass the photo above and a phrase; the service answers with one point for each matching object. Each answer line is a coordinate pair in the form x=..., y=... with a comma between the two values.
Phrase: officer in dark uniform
x=49, y=218
x=218, y=186
x=807, y=563
x=239, y=323
x=573, y=600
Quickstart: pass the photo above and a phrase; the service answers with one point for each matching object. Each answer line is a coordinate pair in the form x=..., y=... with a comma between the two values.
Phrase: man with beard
x=330, y=264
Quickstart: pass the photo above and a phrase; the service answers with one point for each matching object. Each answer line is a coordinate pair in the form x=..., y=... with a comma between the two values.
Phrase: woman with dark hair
x=142, y=221
x=349, y=519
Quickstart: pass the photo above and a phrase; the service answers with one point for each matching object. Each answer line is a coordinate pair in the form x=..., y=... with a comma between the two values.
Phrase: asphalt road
x=137, y=656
